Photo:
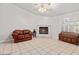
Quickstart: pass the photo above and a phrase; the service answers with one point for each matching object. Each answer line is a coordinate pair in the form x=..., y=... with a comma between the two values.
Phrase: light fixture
x=43, y=7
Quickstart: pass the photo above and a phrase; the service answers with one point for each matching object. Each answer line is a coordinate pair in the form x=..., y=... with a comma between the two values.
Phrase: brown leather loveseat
x=21, y=35
x=69, y=37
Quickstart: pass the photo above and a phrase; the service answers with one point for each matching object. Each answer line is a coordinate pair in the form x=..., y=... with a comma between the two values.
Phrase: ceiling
x=55, y=10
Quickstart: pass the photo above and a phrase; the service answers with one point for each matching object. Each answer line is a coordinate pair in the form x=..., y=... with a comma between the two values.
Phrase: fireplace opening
x=43, y=30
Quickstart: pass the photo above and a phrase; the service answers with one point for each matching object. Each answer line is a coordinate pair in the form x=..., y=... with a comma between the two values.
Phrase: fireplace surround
x=43, y=31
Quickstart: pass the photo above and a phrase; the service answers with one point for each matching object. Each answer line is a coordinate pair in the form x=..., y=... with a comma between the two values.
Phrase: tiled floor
x=39, y=46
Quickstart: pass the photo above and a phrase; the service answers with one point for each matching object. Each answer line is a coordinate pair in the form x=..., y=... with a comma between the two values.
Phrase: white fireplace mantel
x=44, y=35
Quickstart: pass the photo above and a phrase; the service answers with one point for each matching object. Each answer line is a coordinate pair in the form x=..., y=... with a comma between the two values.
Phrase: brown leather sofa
x=21, y=35
x=69, y=37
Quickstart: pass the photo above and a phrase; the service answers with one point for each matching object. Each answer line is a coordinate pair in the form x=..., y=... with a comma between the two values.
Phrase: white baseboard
x=4, y=41
x=1, y=41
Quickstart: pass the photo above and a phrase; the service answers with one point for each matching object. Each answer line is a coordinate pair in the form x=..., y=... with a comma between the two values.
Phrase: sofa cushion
x=26, y=31
x=69, y=34
x=19, y=32
x=20, y=36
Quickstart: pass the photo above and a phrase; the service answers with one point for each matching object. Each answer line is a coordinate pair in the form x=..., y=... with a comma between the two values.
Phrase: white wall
x=13, y=17
x=58, y=22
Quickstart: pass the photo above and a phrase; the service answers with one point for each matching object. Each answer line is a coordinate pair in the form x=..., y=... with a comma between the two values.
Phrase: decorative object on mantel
x=34, y=33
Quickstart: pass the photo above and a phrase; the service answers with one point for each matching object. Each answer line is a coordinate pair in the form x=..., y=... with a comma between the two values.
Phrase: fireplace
x=43, y=30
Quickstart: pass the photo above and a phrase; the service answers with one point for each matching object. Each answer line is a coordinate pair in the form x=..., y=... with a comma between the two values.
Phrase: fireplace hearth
x=43, y=30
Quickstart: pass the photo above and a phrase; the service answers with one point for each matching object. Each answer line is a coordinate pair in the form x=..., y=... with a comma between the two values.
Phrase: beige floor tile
x=39, y=46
